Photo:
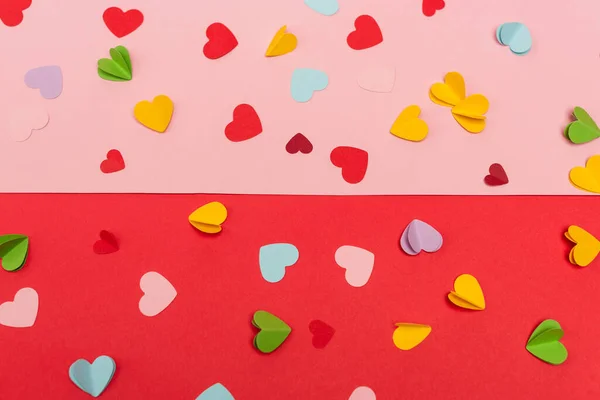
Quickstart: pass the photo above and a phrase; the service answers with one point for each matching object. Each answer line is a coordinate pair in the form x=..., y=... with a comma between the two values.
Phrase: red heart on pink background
x=114, y=162
x=322, y=333
x=220, y=41
x=352, y=161
x=367, y=33
x=107, y=244
x=122, y=23
x=431, y=6
x=299, y=143
x=497, y=176
x=245, y=124
x=11, y=11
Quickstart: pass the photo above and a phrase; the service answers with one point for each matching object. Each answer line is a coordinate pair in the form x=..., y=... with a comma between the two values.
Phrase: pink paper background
x=530, y=97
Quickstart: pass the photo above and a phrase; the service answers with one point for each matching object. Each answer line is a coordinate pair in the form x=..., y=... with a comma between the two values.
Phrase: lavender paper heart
x=48, y=80
x=420, y=236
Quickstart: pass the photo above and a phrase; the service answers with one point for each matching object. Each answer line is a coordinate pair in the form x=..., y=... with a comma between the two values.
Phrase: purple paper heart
x=48, y=80
x=418, y=236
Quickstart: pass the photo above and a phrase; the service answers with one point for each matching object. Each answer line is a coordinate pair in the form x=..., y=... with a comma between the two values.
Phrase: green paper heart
x=118, y=67
x=583, y=130
x=13, y=251
x=544, y=343
x=273, y=331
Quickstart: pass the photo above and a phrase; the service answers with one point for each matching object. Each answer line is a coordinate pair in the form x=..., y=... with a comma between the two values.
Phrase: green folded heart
x=584, y=129
x=544, y=343
x=13, y=251
x=118, y=67
x=273, y=331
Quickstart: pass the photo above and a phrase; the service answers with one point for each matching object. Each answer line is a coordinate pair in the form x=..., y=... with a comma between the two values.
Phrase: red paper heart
x=220, y=41
x=122, y=23
x=497, y=176
x=299, y=143
x=431, y=6
x=245, y=125
x=11, y=11
x=107, y=244
x=352, y=161
x=367, y=33
x=114, y=162
x=322, y=333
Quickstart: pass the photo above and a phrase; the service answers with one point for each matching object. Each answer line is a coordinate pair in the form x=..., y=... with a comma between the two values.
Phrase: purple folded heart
x=48, y=80
x=418, y=236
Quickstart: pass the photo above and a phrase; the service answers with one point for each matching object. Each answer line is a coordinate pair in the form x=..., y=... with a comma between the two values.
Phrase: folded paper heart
x=118, y=67
x=158, y=294
x=221, y=41
x=324, y=7
x=216, y=392
x=306, y=81
x=377, y=79
x=245, y=124
x=516, y=36
x=209, y=217
x=299, y=143
x=363, y=393
x=366, y=34
x=48, y=79
x=274, y=258
x=497, y=176
x=272, y=331
x=583, y=129
x=106, y=244
x=22, y=311
x=282, y=43
x=586, y=248
x=13, y=251
x=544, y=343
x=467, y=293
x=357, y=262
x=93, y=378
x=408, y=335
x=322, y=333
x=588, y=177
x=155, y=115
x=114, y=162
x=420, y=236
x=408, y=126
x=352, y=161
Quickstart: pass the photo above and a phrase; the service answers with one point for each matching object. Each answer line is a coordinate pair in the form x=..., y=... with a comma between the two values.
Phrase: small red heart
x=122, y=23
x=367, y=33
x=431, y=6
x=352, y=161
x=11, y=11
x=322, y=333
x=107, y=244
x=220, y=41
x=497, y=176
x=114, y=162
x=245, y=125
x=299, y=143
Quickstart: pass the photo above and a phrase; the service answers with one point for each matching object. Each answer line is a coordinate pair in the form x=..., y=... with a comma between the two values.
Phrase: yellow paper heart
x=467, y=293
x=588, y=177
x=586, y=248
x=449, y=93
x=407, y=336
x=408, y=125
x=472, y=125
x=209, y=217
x=155, y=115
x=474, y=106
x=282, y=43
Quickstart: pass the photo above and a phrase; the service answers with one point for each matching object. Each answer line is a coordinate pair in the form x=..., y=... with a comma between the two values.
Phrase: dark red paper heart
x=367, y=33
x=299, y=143
x=122, y=23
x=431, y=6
x=107, y=244
x=497, y=176
x=11, y=11
x=322, y=333
x=114, y=162
x=352, y=161
x=220, y=41
x=245, y=124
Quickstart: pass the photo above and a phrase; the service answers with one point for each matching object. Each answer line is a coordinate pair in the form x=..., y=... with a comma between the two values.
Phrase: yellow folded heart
x=586, y=248
x=282, y=43
x=588, y=177
x=408, y=126
x=209, y=217
x=155, y=115
x=467, y=293
x=408, y=336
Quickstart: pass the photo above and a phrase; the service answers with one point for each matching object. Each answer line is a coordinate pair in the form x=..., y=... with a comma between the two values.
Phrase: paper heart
x=431, y=6
x=299, y=143
x=467, y=293
x=377, y=79
x=324, y=7
x=114, y=162
x=272, y=331
x=216, y=392
x=93, y=378
x=362, y=393
x=497, y=175
x=586, y=247
x=118, y=67
x=306, y=81
x=282, y=43
x=122, y=23
x=418, y=236
x=544, y=343
x=22, y=311
x=11, y=12
x=583, y=129
x=408, y=126
x=408, y=335
x=366, y=34
x=322, y=333
x=352, y=161
x=588, y=177
x=48, y=79
x=220, y=41
x=13, y=251
x=449, y=93
x=24, y=119
x=155, y=115
x=274, y=258
x=158, y=293
x=209, y=217
x=245, y=124
x=516, y=36
x=106, y=244
x=357, y=262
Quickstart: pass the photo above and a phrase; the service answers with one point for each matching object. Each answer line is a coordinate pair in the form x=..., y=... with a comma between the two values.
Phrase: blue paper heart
x=93, y=378
x=305, y=81
x=274, y=258
x=325, y=7
x=216, y=392
x=515, y=35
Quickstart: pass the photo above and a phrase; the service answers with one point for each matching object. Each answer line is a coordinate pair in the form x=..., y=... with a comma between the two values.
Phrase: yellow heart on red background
x=209, y=217
x=155, y=115
x=586, y=248
x=467, y=293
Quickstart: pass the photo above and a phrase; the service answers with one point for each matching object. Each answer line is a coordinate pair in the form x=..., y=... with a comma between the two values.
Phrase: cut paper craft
x=497, y=176
x=420, y=236
x=357, y=262
x=306, y=81
x=122, y=23
x=274, y=258
x=11, y=12
x=245, y=124
x=408, y=336
x=366, y=34
x=117, y=68
x=221, y=41
x=587, y=178
x=107, y=243
x=586, y=247
x=377, y=79
x=324, y=7
x=469, y=111
x=48, y=79
x=322, y=333
x=299, y=143
x=25, y=119
x=352, y=161
x=583, y=129
x=363, y=393
x=13, y=251
x=544, y=343
x=467, y=293
x=209, y=217
x=272, y=331
x=408, y=126
x=158, y=294
x=431, y=6
x=155, y=115
x=93, y=378
x=114, y=162
x=516, y=36
x=22, y=311
x=282, y=43
x=216, y=392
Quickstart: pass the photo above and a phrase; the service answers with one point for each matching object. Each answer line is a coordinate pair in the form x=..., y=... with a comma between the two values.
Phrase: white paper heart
x=357, y=262
x=363, y=393
x=22, y=311
x=378, y=79
x=158, y=293
x=23, y=120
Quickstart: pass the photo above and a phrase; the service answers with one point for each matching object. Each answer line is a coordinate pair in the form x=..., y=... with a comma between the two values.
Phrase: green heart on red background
x=13, y=251
x=544, y=343
x=584, y=129
x=273, y=331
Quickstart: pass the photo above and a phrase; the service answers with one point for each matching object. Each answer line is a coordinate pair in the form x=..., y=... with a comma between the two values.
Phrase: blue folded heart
x=216, y=392
x=274, y=258
x=305, y=81
x=325, y=7
x=516, y=36
x=93, y=378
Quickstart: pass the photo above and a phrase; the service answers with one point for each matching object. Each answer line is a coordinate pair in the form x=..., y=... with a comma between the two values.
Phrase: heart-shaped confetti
x=155, y=115
x=431, y=6
x=588, y=177
x=306, y=81
x=583, y=129
x=497, y=176
x=13, y=251
x=24, y=119
x=22, y=311
x=377, y=79
x=48, y=79
x=93, y=378
x=357, y=262
x=117, y=68
x=299, y=143
x=420, y=236
x=467, y=293
x=322, y=333
x=114, y=162
x=11, y=11
x=408, y=335
x=544, y=343
x=209, y=217
x=216, y=392
x=516, y=36
x=324, y=7
x=158, y=294
x=282, y=43
x=221, y=41
x=122, y=23
x=352, y=161
x=274, y=258
x=366, y=34
x=586, y=248
x=107, y=243
x=272, y=331
x=409, y=126
x=245, y=124
x=363, y=393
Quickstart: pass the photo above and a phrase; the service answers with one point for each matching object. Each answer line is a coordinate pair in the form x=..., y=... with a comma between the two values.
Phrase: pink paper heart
x=22, y=311
x=23, y=120
x=377, y=79
x=158, y=293
x=357, y=262
x=362, y=393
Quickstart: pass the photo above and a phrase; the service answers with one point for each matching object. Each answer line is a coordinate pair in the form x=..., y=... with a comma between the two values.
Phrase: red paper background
x=88, y=302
